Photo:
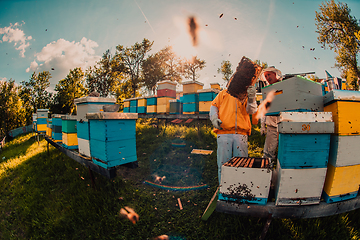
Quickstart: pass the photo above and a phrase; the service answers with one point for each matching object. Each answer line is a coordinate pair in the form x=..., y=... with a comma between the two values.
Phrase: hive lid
x=57, y=115
x=208, y=90
x=94, y=100
x=69, y=117
x=305, y=116
x=42, y=110
x=111, y=115
x=344, y=95
x=167, y=81
x=192, y=82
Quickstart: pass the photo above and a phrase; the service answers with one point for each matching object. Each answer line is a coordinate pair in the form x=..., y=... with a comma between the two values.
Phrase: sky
x=57, y=36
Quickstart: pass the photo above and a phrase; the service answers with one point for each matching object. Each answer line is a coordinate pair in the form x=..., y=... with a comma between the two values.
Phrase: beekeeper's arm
x=251, y=106
x=214, y=117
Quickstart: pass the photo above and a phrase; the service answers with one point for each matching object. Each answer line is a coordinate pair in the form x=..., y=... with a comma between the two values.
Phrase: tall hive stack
x=48, y=127
x=141, y=105
x=113, y=138
x=343, y=178
x=151, y=105
x=56, y=133
x=304, y=143
x=41, y=120
x=88, y=105
x=245, y=180
x=191, y=97
x=166, y=91
x=34, y=118
x=206, y=96
x=69, y=132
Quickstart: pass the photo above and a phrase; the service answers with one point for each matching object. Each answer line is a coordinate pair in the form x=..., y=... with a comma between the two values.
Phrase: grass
x=49, y=196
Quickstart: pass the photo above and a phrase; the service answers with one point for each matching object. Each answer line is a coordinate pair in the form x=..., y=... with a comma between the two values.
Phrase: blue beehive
x=112, y=138
x=56, y=133
x=151, y=101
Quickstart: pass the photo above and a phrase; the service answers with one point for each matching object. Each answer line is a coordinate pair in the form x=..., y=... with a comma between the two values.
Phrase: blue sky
x=61, y=35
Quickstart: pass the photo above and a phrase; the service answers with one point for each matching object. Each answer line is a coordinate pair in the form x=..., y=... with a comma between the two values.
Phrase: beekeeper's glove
x=216, y=121
x=251, y=91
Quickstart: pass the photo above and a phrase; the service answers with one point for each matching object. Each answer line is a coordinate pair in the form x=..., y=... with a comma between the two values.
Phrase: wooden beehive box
x=69, y=131
x=191, y=108
x=56, y=133
x=343, y=150
x=86, y=105
x=175, y=106
x=192, y=86
x=345, y=107
x=304, y=139
x=41, y=124
x=295, y=94
x=112, y=138
x=215, y=86
x=207, y=94
x=299, y=186
x=49, y=127
x=151, y=109
x=151, y=101
x=204, y=107
x=42, y=113
x=167, y=84
x=190, y=98
x=245, y=180
x=341, y=183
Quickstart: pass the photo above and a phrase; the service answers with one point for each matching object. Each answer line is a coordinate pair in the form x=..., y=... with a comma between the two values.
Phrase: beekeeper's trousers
x=271, y=143
x=230, y=145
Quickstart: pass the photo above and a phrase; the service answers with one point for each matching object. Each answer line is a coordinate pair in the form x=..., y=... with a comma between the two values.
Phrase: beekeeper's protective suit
x=232, y=125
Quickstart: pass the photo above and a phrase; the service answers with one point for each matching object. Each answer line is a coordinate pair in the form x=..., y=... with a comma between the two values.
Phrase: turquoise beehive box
x=112, y=138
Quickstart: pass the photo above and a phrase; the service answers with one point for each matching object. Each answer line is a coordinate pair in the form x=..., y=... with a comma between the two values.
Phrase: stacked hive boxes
x=87, y=105
x=151, y=103
x=69, y=133
x=190, y=97
x=245, y=180
x=126, y=106
x=133, y=105
x=166, y=91
x=343, y=178
x=41, y=120
x=175, y=106
x=304, y=143
x=48, y=127
x=56, y=133
x=206, y=96
x=113, y=138
x=141, y=105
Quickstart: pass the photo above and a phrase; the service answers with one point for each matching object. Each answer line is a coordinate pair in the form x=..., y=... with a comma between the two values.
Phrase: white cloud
x=59, y=57
x=16, y=35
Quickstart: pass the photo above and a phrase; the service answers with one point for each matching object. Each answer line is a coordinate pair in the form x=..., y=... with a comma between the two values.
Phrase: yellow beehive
x=165, y=108
x=163, y=100
x=192, y=86
x=341, y=181
x=215, y=85
x=204, y=106
x=151, y=109
x=346, y=116
x=41, y=127
x=141, y=102
x=126, y=103
x=69, y=139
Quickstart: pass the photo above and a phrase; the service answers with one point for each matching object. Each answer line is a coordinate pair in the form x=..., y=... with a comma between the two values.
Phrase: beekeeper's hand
x=216, y=121
x=251, y=91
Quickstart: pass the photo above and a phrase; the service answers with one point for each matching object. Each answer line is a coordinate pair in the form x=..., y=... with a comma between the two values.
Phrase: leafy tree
x=103, y=78
x=35, y=91
x=190, y=68
x=339, y=30
x=226, y=70
x=70, y=88
x=163, y=65
x=12, y=114
x=132, y=59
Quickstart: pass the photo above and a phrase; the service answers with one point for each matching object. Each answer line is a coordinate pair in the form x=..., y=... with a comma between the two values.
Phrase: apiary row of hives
x=317, y=152
x=107, y=138
x=194, y=99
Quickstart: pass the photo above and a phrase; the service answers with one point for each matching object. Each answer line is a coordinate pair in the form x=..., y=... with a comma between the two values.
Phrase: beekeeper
x=269, y=124
x=231, y=120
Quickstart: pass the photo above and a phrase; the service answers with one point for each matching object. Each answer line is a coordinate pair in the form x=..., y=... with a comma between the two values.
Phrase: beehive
x=49, y=127
x=56, y=133
x=206, y=96
x=86, y=105
x=175, y=106
x=345, y=107
x=295, y=94
x=126, y=106
x=245, y=180
x=341, y=183
x=112, y=138
x=141, y=108
x=304, y=143
x=192, y=86
x=69, y=132
x=41, y=120
x=163, y=104
x=133, y=105
x=166, y=89
x=151, y=109
x=215, y=86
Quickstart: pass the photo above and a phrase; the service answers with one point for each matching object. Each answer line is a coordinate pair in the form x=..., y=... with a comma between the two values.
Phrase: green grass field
x=49, y=196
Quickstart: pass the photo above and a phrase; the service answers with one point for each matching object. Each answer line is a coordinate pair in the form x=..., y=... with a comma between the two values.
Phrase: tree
x=35, y=90
x=190, y=67
x=103, y=78
x=338, y=29
x=161, y=66
x=12, y=114
x=132, y=59
x=226, y=70
x=70, y=88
